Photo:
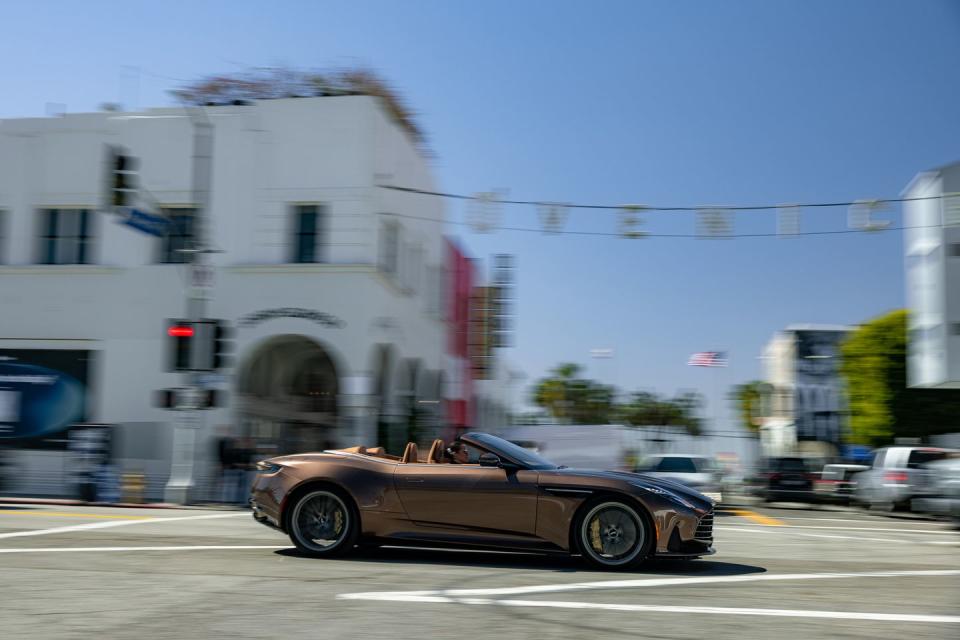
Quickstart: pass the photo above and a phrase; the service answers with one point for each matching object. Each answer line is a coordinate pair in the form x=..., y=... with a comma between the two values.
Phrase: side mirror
x=489, y=460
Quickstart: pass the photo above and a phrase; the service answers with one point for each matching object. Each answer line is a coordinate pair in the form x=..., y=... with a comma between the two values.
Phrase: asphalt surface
x=88, y=572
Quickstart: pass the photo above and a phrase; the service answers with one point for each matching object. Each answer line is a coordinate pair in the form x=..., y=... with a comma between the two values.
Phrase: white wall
x=932, y=281
x=330, y=150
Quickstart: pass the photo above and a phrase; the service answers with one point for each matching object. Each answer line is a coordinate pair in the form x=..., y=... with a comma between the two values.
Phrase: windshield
x=677, y=465
x=515, y=452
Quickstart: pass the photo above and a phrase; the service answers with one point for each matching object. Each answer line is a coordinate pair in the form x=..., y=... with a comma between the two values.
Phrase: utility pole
x=181, y=484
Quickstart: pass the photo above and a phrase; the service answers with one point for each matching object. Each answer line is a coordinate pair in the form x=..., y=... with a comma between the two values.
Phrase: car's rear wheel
x=323, y=523
x=612, y=534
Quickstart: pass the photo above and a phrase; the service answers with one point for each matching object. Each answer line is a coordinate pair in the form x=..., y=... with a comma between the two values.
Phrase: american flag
x=708, y=359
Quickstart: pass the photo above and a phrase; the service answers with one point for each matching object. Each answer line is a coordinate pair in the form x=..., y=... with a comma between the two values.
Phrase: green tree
x=881, y=405
x=650, y=409
x=749, y=401
x=570, y=398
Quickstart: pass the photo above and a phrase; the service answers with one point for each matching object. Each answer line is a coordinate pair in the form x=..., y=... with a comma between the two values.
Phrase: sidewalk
x=132, y=505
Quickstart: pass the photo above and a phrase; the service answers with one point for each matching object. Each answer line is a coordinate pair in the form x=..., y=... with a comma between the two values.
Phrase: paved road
x=82, y=572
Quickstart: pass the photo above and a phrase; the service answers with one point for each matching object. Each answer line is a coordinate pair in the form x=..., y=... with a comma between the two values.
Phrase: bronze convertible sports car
x=482, y=492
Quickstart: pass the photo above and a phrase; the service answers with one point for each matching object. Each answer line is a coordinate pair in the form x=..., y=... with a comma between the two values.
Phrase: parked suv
x=942, y=495
x=896, y=476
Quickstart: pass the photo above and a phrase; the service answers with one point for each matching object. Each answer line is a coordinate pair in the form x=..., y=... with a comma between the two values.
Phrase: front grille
x=705, y=528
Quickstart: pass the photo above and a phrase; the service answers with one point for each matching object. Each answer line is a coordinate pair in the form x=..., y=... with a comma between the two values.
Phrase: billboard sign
x=42, y=393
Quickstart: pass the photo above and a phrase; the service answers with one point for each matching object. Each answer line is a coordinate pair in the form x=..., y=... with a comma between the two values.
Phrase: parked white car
x=697, y=472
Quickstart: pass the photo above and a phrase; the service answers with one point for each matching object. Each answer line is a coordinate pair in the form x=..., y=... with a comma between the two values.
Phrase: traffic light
x=222, y=345
x=123, y=177
x=180, y=338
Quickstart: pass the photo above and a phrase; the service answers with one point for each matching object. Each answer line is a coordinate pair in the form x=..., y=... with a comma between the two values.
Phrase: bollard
x=133, y=488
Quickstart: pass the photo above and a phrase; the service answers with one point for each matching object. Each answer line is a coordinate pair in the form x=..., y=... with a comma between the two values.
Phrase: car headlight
x=267, y=467
x=666, y=493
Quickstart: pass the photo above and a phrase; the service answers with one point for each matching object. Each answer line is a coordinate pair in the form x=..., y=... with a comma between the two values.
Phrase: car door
x=462, y=496
x=868, y=481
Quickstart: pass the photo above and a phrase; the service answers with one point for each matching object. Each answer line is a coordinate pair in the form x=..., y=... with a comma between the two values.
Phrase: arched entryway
x=287, y=390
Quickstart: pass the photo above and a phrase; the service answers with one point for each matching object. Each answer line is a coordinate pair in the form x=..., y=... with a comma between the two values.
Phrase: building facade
x=805, y=406
x=335, y=288
x=932, y=263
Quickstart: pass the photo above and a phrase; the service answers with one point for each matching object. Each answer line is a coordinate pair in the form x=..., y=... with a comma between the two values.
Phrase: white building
x=932, y=253
x=335, y=286
x=806, y=410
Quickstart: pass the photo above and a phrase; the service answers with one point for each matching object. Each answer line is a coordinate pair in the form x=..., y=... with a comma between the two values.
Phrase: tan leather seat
x=358, y=449
x=410, y=454
x=436, y=452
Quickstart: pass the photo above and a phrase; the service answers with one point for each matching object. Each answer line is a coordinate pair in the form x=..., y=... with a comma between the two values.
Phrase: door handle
x=412, y=479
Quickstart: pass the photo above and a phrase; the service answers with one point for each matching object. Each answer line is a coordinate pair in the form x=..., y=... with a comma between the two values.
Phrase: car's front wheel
x=612, y=534
x=323, y=523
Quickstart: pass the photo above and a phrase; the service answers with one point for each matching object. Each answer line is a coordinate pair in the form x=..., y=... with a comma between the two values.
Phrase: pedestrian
x=227, y=454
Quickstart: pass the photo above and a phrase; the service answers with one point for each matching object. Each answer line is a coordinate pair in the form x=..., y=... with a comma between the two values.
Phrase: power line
x=618, y=207
x=613, y=234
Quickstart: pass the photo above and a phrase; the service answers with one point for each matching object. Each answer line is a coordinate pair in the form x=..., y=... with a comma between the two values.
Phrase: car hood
x=673, y=486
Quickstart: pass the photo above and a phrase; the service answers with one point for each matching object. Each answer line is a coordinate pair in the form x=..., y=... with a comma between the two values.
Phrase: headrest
x=436, y=451
x=410, y=454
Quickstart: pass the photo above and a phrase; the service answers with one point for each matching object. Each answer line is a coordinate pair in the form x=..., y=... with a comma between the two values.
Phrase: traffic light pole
x=181, y=485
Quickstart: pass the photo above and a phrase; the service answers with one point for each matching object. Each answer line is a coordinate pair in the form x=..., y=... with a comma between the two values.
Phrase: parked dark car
x=787, y=478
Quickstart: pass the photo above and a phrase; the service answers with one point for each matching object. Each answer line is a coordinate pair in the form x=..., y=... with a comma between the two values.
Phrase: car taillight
x=898, y=477
x=773, y=476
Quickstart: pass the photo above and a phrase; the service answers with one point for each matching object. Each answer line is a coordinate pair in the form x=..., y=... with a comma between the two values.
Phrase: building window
x=3, y=235
x=65, y=236
x=955, y=249
x=412, y=267
x=307, y=231
x=390, y=247
x=179, y=236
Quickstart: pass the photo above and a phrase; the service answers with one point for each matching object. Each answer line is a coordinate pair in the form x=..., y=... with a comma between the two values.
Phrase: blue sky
x=676, y=103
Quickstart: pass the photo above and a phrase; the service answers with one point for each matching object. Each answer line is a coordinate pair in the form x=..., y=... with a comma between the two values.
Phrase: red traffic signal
x=180, y=331
x=180, y=338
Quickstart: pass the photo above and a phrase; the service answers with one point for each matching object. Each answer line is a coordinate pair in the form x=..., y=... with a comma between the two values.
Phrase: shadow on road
x=529, y=561
x=10, y=507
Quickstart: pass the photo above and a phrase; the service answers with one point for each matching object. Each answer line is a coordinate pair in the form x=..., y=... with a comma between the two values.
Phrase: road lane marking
x=469, y=596
x=163, y=548
x=60, y=514
x=736, y=611
x=883, y=529
x=865, y=520
x=789, y=531
x=757, y=517
x=405, y=596
x=113, y=523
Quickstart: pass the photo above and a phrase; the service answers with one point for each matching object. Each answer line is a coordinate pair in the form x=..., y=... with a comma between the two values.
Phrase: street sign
x=146, y=222
x=207, y=380
x=201, y=280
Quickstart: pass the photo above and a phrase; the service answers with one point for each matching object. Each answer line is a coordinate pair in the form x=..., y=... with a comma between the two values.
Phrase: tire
x=613, y=534
x=323, y=522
